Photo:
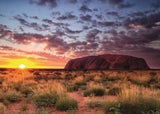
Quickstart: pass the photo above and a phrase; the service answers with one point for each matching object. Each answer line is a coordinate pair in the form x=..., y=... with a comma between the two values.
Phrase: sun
x=22, y=66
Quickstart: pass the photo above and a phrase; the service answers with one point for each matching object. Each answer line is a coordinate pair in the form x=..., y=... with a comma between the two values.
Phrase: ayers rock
x=106, y=62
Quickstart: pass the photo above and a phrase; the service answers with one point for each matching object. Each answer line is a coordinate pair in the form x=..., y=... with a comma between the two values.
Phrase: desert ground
x=32, y=91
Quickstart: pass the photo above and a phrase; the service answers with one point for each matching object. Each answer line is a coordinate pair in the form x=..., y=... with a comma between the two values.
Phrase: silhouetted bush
x=94, y=91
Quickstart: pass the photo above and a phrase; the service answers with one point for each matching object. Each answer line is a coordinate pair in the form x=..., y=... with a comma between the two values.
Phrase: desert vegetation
x=76, y=92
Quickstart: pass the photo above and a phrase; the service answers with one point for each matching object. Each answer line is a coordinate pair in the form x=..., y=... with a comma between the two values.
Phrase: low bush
x=94, y=103
x=24, y=107
x=94, y=91
x=45, y=99
x=143, y=106
x=26, y=91
x=65, y=104
x=12, y=96
x=111, y=107
x=114, y=91
x=80, y=83
x=2, y=109
x=71, y=88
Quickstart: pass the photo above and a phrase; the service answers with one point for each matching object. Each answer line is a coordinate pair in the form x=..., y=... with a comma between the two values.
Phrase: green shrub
x=71, y=88
x=45, y=99
x=94, y=103
x=2, y=109
x=24, y=107
x=114, y=91
x=17, y=86
x=26, y=91
x=143, y=106
x=157, y=86
x=94, y=91
x=80, y=83
x=111, y=107
x=66, y=104
x=6, y=102
x=83, y=87
x=12, y=96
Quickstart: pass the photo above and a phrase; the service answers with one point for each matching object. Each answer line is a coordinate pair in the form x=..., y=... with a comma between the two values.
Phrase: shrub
x=136, y=101
x=26, y=91
x=45, y=99
x=2, y=109
x=12, y=96
x=6, y=102
x=114, y=91
x=94, y=103
x=66, y=104
x=94, y=91
x=143, y=106
x=111, y=106
x=80, y=83
x=24, y=107
x=17, y=86
x=71, y=88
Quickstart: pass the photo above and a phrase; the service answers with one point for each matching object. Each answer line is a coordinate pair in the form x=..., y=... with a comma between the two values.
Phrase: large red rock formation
x=107, y=61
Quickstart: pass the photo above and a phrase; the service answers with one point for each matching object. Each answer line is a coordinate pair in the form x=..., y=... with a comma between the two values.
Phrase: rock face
x=107, y=61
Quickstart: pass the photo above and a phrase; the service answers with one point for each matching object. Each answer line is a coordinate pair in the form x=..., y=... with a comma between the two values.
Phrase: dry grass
x=132, y=84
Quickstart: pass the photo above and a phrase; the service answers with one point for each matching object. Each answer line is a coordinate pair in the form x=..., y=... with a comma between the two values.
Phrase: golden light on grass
x=22, y=66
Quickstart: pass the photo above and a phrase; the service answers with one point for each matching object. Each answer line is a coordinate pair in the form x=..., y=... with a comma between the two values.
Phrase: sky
x=48, y=33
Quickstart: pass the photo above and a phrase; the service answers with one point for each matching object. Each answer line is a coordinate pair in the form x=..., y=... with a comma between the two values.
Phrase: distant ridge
x=107, y=62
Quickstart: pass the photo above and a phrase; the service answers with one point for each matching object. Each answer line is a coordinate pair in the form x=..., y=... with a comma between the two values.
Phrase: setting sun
x=22, y=66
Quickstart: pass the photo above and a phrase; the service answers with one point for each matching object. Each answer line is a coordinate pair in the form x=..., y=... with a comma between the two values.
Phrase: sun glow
x=22, y=63
x=22, y=66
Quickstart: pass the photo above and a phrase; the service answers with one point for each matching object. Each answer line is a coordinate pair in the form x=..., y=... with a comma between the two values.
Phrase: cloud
x=115, y=2
x=113, y=13
x=4, y=32
x=73, y=1
x=86, y=18
x=156, y=4
x=69, y=31
x=50, y=3
x=84, y=9
x=92, y=35
x=67, y=16
x=56, y=13
x=121, y=4
x=147, y=21
x=125, y=5
x=33, y=25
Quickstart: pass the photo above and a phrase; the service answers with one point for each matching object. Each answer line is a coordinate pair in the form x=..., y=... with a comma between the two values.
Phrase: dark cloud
x=50, y=3
x=84, y=9
x=47, y=21
x=1, y=15
x=33, y=25
x=86, y=18
x=67, y=16
x=121, y=4
x=125, y=5
x=115, y=2
x=26, y=38
x=4, y=32
x=156, y=4
x=107, y=24
x=137, y=14
x=73, y=1
x=113, y=13
x=147, y=21
x=92, y=35
x=100, y=17
x=21, y=28
x=6, y=48
x=69, y=31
